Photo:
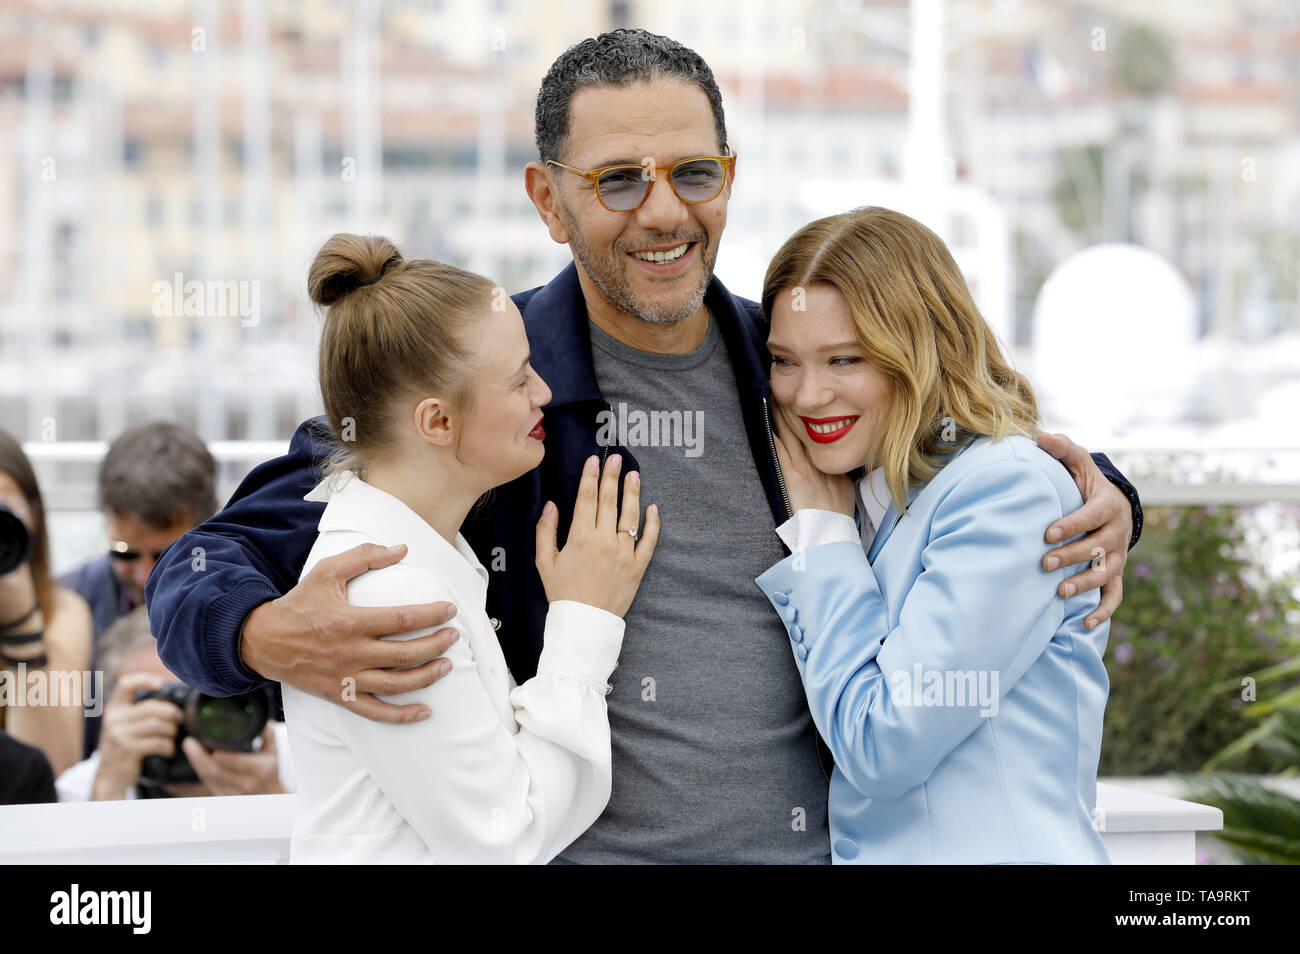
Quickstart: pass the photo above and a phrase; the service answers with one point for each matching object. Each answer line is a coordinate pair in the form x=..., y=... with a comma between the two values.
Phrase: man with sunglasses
x=715, y=754
x=156, y=481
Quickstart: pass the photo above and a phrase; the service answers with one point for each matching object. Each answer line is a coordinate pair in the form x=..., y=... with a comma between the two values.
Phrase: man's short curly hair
x=619, y=58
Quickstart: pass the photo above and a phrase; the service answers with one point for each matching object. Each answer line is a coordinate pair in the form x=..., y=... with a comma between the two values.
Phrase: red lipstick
x=833, y=428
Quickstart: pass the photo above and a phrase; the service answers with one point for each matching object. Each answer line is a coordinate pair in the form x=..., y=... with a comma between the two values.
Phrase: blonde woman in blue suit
x=962, y=697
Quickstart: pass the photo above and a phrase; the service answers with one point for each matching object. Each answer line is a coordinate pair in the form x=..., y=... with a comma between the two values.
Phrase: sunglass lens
x=622, y=189
x=698, y=181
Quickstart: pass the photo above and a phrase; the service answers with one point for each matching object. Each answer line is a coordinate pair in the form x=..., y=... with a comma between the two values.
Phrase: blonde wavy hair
x=916, y=321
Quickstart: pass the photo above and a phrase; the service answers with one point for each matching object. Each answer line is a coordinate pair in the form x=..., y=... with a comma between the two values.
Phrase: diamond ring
x=631, y=532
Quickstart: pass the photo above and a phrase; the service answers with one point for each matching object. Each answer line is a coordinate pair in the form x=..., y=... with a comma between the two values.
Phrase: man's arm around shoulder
x=207, y=582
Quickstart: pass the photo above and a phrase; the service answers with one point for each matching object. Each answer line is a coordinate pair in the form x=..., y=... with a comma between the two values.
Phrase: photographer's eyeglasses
x=123, y=553
x=623, y=188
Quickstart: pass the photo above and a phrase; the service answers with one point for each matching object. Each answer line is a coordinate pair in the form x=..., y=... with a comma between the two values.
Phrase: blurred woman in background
x=45, y=629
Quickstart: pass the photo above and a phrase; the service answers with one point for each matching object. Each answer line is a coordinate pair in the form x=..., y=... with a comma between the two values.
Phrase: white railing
x=92, y=452
x=1136, y=827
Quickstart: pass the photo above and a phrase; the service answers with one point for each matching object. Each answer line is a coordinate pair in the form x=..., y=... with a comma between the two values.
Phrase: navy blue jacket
x=207, y=582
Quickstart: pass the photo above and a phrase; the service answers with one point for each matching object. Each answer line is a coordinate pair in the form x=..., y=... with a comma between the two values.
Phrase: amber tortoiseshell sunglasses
x=625, y=187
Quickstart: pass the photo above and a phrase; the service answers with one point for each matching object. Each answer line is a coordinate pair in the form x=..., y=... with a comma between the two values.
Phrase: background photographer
x=157, y=481
x=132, y=731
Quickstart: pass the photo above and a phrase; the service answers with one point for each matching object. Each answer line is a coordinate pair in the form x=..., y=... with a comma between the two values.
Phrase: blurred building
x=156, y=143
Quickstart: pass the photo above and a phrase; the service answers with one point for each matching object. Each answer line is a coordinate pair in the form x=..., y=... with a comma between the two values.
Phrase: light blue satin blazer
x=961, y=696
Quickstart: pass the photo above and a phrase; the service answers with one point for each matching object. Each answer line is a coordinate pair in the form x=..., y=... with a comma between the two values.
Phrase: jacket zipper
x=614, y=424
x=776, y=461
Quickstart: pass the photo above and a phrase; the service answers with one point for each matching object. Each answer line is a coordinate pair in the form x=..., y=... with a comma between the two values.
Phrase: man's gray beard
x=621, y=293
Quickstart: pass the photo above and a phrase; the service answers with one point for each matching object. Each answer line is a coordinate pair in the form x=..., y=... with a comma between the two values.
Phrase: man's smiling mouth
x=663, y=255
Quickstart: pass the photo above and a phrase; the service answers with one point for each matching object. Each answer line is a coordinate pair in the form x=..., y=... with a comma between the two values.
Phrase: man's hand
x=1105, y=517
x=313, y=639
x=131, y=731
x=222, y=772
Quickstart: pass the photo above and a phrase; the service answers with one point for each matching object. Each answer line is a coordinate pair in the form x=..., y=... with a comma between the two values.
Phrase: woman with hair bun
x=426, y=381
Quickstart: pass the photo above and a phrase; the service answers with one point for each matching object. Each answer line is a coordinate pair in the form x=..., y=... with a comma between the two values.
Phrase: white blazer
x=497, y=773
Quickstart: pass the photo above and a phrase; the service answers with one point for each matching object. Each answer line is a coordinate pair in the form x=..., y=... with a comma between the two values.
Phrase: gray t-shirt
x=714, y=751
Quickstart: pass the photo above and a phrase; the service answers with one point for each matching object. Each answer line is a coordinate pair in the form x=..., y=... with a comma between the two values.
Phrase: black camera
x=15, y=540
x=218, y=723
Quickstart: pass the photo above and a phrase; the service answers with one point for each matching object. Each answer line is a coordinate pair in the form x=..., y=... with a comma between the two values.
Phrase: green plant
x=1195, y=621
x=1261, y=824
x=1144, y=61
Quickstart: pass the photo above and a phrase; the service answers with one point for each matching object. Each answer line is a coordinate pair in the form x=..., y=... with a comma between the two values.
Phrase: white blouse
x=498, y=773
x=812, y=528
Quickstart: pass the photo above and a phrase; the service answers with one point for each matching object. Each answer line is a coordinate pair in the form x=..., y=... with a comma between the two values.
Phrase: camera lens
x=215, y=722
x=15, y=541
x=231, y=723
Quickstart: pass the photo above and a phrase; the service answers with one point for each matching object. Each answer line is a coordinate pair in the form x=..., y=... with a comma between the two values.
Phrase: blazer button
x=801, y=651
x=780, y=598
x=609, y=689
x=796, y=633
x=846, y=848
x=789, y=614
x=496, y=624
